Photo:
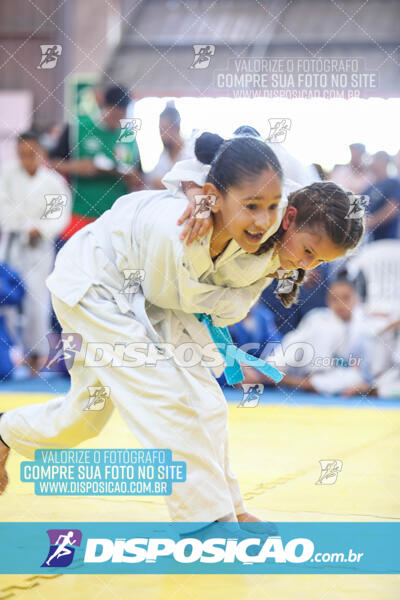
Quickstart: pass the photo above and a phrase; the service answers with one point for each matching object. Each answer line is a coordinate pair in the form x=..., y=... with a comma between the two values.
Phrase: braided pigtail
x=288, y=289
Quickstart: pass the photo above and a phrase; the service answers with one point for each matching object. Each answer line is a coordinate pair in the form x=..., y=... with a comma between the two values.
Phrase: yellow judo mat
x=275, y=452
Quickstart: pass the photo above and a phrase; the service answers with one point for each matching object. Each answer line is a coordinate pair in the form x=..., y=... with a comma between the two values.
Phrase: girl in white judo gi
x=171, y=406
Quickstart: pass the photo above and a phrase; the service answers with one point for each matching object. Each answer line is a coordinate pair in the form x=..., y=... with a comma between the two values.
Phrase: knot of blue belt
x=233, y=356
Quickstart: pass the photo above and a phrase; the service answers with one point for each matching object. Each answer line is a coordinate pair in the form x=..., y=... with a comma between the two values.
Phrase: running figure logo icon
x=204, y=202
x=97, y=397
x=286, y=281
x=251, y=395
x=278, y=129
x=62, y=542
x=133, y=280
x=357, y=205
x=129, y=129
x=63, y=347
x=329, y=471
x=202, y=55
x=50, y=54
x=54, y=206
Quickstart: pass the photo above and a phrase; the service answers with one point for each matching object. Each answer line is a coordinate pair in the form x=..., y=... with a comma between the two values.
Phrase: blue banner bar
x=199, y=548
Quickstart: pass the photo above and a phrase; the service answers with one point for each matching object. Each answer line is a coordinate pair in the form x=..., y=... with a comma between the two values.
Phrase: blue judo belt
x=233, y=356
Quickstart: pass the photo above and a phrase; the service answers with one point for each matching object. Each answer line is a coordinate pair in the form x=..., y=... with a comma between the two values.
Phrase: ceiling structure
x=155, y=54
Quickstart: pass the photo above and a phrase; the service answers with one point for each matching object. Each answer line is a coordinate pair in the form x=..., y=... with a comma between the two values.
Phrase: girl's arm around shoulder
x=170, y=278
x=189, y=177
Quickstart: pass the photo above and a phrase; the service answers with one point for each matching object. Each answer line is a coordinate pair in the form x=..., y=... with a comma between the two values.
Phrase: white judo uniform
x=22, y=207
x=167, y=406
x=338, y=354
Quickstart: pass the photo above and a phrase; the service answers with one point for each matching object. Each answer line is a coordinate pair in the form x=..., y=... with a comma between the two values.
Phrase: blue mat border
x=285, y=396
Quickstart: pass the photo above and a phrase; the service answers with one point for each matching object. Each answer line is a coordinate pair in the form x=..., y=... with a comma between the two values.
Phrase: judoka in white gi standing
x=34, y=208
x=170, y=406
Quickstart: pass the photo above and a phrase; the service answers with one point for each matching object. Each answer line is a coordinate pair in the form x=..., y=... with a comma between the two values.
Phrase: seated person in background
x=333, y=349
x=332, y=338
x=35, y=206
x=11, y=294
x=384, y=201
x=386, y=382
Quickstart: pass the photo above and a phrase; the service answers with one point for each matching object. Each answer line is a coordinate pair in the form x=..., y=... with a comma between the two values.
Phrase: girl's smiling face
x=246, y=212
x=303, y=247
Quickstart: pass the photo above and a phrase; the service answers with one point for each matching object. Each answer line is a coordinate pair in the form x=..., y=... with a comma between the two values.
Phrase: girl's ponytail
x=207, y=146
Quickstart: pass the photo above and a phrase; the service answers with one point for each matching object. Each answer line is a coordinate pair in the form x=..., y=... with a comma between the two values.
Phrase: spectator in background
x=385, y=382
x=384, y=199
x=354, y=176
x=332, y=336
x=340, y=351
x=35, y=206
x=11, y=294
x=101, y=166
x=175, y=148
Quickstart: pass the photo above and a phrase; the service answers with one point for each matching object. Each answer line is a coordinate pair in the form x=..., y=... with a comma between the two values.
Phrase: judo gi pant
x=165, y=406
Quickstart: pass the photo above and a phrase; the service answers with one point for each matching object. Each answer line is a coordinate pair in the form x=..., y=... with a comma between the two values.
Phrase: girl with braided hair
x=314, y=223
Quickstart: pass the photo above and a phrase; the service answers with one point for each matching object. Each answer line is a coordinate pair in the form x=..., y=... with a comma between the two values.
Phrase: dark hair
x=321, y=206
x=357, y=281
x=232, y=161
x=287, y=299
x=117, y=95
x=31, y=135
x=247, y=130
x=342, y=279
x=172, y=114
